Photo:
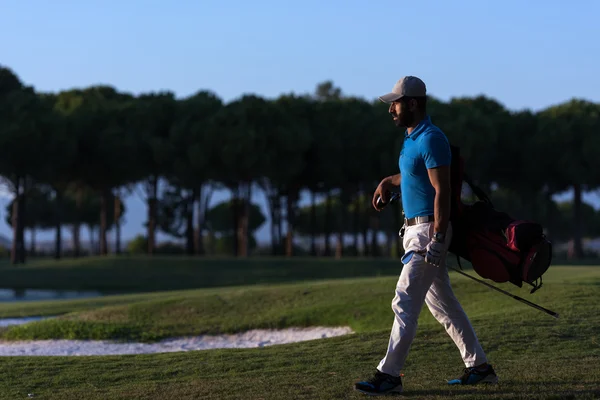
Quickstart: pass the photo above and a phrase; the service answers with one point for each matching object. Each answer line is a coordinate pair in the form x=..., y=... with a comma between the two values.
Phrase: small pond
x=12, y=295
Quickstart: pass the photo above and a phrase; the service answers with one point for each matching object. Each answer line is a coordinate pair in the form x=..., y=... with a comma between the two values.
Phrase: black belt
x=418, y=220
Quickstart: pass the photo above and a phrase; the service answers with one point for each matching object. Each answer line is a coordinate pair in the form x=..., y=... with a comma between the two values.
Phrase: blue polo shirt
x=426, y=147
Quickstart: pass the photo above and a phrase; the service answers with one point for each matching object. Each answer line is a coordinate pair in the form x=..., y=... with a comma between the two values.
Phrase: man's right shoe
x=473, y=376
x=380, y=384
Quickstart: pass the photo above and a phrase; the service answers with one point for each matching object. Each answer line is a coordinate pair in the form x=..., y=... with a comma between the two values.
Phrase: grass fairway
x=535, y=355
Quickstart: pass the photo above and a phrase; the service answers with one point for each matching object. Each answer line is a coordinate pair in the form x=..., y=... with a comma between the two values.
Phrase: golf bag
x=499, y=247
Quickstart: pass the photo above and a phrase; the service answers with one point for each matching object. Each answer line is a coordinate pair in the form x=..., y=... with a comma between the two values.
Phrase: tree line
x=69, y=158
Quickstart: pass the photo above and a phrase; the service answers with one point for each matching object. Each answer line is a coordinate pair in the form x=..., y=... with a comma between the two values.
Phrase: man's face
x=403, y=112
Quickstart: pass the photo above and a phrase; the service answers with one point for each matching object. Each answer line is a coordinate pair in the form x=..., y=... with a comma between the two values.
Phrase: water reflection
x=4, y=322
x=10, y=295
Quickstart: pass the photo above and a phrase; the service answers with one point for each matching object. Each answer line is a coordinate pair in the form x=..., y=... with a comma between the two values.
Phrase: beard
x=404, y=120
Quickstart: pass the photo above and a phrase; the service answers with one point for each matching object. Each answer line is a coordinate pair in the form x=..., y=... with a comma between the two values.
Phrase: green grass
x=535, y=355
x=125, y=274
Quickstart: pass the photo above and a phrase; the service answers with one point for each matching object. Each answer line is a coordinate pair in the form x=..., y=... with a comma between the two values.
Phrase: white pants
x=422, y=282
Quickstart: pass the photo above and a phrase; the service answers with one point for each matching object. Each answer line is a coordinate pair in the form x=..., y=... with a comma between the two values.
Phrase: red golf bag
x=499, y=247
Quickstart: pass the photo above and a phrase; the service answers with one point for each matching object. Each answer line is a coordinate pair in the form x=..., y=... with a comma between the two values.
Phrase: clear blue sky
x=526, y=54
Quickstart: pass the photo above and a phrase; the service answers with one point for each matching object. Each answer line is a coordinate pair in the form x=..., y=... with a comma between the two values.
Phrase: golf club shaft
x=549, y=312
x=522, y=300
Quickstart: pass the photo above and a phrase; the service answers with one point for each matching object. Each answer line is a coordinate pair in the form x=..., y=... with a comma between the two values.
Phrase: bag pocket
x=492, y=259
x=521, y=235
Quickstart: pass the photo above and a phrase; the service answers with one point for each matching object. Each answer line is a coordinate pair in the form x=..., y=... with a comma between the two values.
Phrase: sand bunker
x=253, y=338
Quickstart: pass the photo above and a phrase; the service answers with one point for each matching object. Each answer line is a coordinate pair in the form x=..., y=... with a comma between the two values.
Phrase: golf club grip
x=392, y=197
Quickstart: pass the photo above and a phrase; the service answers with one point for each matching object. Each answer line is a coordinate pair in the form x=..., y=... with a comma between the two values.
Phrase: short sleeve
x=435, y=150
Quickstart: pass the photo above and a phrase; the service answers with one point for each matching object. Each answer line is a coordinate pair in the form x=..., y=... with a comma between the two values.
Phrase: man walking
x=424, y=180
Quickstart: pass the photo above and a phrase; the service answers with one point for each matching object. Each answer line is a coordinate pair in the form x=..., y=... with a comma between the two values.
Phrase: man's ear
x=413, y=105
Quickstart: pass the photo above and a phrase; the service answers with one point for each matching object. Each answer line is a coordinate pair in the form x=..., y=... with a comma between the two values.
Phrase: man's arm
x=437, y=155
x=394, y=179
x=440, y=180
x=387, y=184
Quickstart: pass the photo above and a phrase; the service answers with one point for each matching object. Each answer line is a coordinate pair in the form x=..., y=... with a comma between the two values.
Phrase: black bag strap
x=458, y=261
x=477, y=190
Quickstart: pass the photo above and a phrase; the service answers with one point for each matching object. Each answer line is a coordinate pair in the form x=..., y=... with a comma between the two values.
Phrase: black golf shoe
x=380, y=384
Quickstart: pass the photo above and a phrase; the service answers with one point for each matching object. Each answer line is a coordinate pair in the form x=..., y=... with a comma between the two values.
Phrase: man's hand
x=435, y=251
x=383, y=190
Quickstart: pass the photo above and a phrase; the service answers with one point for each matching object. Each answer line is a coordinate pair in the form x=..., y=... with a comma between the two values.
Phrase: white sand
x=253, y=338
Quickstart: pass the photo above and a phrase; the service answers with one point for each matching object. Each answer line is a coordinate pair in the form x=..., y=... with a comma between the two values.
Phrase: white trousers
x=421, y=282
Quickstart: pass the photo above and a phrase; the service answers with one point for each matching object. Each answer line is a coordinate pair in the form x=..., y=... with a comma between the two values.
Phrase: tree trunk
x=244, y=215
x=271, y=197
x=14, y=257
x=274, y=238
x=313, y=223
x=291, y=217
x=279, y=225
x=328, y=225
x=365, y=242
x=18, y=243
x=77, y=224
x=236, y=220
x=203, y=197
x=274, y=204
x=247, y=232
x=549, y=215
x=152, y=190
x=577, y=239
x=356, y=224
x=118, y=223
x=76, y=240
x=57, y=221
x=189, y=229
x=339, y=249
x=341, y=225
x=241, y=207
x=104, y=199
x=58, y=242
x=22, y=251
x=14, y=254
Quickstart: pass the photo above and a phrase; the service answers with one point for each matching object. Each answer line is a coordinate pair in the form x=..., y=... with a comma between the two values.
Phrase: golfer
x=424, y=182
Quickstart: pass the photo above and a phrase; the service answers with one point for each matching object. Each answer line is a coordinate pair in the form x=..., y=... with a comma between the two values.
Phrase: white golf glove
x=435, y=251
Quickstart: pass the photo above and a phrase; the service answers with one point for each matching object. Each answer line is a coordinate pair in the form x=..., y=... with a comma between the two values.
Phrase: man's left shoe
x=380, y=384
x=473, y=376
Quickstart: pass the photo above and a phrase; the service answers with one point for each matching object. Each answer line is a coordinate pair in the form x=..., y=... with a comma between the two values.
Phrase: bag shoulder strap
x=481, y=195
